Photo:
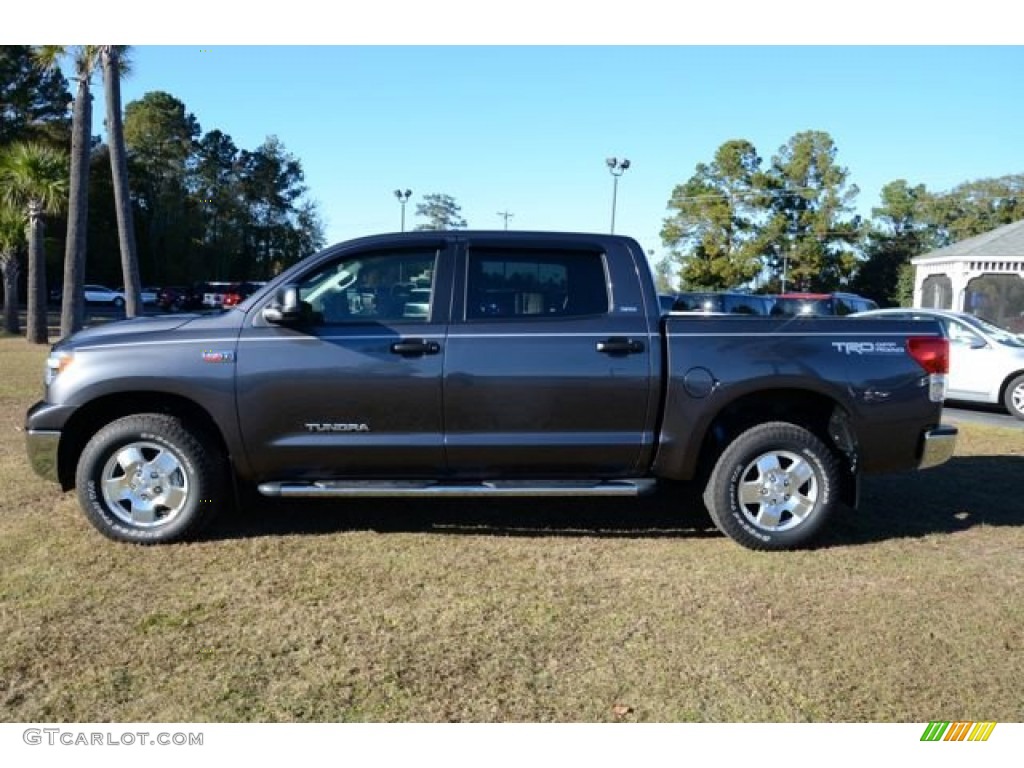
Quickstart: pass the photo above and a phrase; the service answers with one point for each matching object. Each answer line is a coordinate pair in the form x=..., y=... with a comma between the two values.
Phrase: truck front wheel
x=773, y=487
x=148, y=479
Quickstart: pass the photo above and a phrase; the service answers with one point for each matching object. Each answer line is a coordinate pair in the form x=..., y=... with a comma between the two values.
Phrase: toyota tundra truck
x=484, y=364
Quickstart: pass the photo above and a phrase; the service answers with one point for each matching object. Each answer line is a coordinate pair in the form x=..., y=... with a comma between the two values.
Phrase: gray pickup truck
x=487, y=364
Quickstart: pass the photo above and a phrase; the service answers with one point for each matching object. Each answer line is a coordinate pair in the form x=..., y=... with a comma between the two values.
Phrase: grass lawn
x=910, y=610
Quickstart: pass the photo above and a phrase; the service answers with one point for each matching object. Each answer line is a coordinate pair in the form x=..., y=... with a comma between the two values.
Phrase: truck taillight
x=932, y=354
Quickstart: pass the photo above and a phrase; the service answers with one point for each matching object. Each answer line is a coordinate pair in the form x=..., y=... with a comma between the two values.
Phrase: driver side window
x=391, y=286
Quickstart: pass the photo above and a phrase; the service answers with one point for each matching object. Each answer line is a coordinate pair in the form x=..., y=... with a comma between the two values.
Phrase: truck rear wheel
x=147, y=479
x=773, y=487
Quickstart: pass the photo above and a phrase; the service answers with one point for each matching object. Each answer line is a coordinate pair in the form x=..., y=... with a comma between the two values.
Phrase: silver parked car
x=100, y=294
x=986, y=362
x=147, y=294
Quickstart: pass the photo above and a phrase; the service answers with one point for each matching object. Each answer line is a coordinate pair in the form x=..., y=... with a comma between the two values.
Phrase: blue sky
x=526, y=129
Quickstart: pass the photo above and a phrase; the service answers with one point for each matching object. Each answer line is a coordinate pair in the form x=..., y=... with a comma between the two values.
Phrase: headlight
x=57, y=362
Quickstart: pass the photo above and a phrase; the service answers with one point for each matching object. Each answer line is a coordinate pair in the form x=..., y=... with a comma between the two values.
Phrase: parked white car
x=986, y=363
x=99, y=294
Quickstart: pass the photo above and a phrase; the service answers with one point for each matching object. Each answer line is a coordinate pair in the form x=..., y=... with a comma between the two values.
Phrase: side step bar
x=507, y=488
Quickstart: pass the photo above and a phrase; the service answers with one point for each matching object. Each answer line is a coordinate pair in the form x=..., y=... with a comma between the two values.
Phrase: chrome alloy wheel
x=144, y=484
x=778, y=490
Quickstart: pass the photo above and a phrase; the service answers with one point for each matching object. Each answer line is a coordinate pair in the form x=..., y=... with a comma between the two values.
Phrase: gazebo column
x=959, y=276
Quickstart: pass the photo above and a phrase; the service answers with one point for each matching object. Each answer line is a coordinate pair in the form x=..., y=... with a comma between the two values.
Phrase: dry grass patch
x=464, y=611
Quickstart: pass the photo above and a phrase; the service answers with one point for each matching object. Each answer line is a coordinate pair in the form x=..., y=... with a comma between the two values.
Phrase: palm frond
x=12, y=229
x=33, y=173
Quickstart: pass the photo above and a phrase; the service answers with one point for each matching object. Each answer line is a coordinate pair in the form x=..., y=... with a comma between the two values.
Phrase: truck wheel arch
x=818, y=413
x=93, y=416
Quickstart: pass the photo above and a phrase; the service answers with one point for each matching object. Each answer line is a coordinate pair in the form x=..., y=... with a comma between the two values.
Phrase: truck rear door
x=548, y=371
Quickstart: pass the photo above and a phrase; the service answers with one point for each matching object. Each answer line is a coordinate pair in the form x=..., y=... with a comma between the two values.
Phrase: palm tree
x=114, y=67
x=85, y=59
x=33, y=177
x=12, y=238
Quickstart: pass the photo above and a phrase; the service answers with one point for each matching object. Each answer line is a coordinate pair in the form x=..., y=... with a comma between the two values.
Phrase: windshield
x=789, y=306
x=994, y=331
x=697, y=302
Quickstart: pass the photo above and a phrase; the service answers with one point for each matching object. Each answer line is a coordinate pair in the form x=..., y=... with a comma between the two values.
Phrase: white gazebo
x=983, y=275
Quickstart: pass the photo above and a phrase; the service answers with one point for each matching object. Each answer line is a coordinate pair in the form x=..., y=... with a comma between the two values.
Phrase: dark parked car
x=667, y=301
x=174, y=298
x=206, y=295
x=797, y=304
x=723, y=302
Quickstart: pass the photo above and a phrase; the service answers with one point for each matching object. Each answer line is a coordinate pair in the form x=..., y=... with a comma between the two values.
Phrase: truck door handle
x=619, y=345
x=414, y=347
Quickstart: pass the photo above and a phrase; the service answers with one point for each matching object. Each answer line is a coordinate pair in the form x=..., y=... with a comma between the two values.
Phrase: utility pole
x=506, y=215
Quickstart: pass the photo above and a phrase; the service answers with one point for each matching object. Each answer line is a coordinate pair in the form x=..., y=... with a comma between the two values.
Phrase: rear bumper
x=939, y=444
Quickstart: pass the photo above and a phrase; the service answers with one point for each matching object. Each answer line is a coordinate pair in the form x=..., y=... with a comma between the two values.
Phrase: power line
x=798, y=190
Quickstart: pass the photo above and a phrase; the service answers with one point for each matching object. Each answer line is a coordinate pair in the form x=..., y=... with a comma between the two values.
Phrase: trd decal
x=869, y=347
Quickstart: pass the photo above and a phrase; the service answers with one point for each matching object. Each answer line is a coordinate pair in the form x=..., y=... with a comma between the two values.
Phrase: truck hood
x=136, y=326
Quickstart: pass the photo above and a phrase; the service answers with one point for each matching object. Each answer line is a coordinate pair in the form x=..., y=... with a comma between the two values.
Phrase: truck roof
x=512, y=234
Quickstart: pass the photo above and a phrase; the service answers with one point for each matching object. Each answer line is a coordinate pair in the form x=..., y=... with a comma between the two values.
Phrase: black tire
x=148, y=479
x=118, y=303
x=773, y=487
x=1013, y=397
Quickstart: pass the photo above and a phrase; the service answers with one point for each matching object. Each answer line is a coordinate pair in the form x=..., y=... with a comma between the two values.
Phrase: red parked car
x=239, y=292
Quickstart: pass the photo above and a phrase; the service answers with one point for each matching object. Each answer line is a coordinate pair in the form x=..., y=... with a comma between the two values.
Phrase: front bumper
x=42, y=447
x=939, y=445
x=44, y=425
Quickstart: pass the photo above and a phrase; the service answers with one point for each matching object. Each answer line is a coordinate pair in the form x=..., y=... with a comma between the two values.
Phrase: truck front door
x=353, y=390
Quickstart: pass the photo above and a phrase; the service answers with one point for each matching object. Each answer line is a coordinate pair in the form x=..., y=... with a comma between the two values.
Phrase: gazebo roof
x=1005, y=241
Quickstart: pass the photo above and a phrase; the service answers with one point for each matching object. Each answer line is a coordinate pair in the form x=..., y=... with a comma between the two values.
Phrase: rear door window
x=510, y=283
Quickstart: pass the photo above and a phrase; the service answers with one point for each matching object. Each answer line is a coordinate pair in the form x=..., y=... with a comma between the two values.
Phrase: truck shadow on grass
x=965, y=492
x=679, y=513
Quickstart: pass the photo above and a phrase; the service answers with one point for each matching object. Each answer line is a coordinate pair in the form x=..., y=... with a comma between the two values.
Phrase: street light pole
x=616, y=167
x=506, y=215
x=403, y=198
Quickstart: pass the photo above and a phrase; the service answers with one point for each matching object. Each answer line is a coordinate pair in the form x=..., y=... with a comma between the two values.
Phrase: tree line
x=791, y=224
x=197, y=206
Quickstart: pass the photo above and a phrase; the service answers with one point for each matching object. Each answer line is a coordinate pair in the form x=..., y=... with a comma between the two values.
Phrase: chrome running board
x=513, y=488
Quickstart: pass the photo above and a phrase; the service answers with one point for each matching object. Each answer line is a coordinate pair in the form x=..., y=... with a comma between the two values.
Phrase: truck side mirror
x=289, y=309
